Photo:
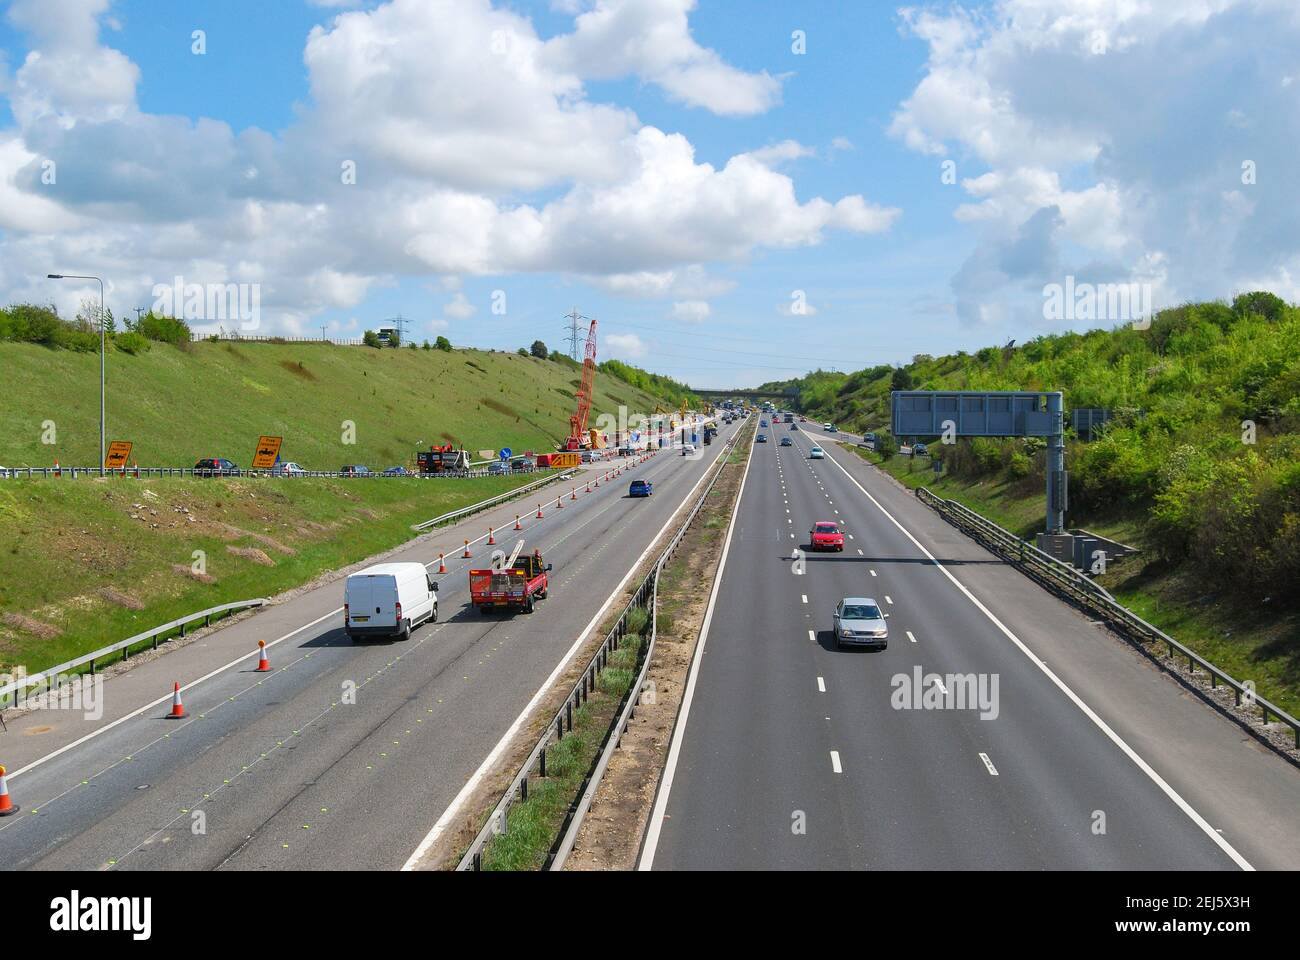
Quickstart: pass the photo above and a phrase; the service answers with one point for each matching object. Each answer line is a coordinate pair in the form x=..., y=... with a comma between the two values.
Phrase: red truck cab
x=517, y=587
x=826, y=535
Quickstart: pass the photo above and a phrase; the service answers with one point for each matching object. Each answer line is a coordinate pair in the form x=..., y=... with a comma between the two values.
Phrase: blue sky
x=563, y=174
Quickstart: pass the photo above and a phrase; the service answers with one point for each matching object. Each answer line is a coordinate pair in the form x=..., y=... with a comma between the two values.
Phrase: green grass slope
x=215, y=399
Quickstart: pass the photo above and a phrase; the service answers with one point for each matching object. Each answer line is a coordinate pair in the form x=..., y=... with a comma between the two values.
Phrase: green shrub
x=131, y=342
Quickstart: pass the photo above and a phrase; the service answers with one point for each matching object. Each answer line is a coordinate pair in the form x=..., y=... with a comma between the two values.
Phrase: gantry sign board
x=952, y=414
x=928, y=413
x=268, y=452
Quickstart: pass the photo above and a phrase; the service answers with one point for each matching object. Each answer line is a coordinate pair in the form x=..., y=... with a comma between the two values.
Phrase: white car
x=288, y=469
x=688, y=448
x=389, y=600
x=828, y=427
x=816, y=453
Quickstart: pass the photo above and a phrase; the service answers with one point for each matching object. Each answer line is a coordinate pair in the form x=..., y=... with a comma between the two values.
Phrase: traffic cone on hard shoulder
x=178, y=708
x=588, y=490
x=263, y=664
x=573, y=494
x=7, y=807
x=492, y=538
x=559, y=503
x=466, y=554
x=517, y=526
x=539, y=511
x=442, y=566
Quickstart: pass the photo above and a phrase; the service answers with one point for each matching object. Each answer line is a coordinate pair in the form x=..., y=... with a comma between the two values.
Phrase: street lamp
x=103, y=323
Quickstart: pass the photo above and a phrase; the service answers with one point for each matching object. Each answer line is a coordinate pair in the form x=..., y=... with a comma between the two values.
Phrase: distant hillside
x=179, y=403
x=1204, y=446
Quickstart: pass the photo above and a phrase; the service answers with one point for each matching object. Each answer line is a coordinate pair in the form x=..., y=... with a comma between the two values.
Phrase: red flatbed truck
x=517, y=587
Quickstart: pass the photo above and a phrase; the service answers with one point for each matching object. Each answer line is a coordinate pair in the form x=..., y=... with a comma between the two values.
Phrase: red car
x=825, y=535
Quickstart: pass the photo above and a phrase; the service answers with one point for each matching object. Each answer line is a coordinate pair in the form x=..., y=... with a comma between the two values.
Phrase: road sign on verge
x=119, y=451
x=268, y=451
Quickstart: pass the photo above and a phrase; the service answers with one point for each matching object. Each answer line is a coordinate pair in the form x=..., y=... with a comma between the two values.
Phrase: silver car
x=816, y=453
x=858, y=620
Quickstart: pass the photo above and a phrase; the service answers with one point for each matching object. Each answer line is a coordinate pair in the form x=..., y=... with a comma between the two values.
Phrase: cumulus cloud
x=444, y=137
x=1106, y=141
x=652, y=39
x=627, y=346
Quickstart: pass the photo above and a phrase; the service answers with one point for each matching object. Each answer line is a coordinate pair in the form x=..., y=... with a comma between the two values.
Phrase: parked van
x=389, y=600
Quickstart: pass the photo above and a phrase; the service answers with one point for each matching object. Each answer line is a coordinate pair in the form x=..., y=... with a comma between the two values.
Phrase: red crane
x=578, y=422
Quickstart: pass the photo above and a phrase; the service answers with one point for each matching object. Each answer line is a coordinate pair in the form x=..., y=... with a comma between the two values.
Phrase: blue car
x=640, y=488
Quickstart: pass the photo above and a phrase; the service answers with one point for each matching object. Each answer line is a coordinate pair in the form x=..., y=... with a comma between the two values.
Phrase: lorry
x=442, y=459
x=562, y=460
x=517, y=586
x=389, y=600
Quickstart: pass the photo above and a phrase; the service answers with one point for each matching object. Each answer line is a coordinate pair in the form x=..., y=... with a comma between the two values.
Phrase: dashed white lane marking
x=873, y=573
x=942, y=689
x=821, y=685
x=805, y=597
x=835, y=762
x=909, y=636
x=860, y=554
x=812, y=635
x=993, y=771
x=888, y=599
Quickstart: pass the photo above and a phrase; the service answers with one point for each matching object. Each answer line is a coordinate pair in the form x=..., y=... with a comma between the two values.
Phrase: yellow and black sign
x=119, y=452
x=268, y=451
x=565, y=460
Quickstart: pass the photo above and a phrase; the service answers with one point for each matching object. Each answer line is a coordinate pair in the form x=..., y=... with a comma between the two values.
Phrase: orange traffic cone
x=588, y=490
x=442, y=567
x=492, y=539
x=539, y=511
x=7, y=807
x=517, y=526
x=573, y=494
x=57, y=471
x=559, y=503
x=263, y=664
x=178, y=708
x=466, y=553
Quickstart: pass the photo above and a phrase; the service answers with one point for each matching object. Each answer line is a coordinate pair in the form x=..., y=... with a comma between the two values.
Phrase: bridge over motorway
x=788, y=393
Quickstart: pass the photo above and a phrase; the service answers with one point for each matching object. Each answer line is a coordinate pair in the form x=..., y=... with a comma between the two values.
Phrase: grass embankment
x=532, y=826
x=1251, y=642
x=86, y=563
x=216, y=399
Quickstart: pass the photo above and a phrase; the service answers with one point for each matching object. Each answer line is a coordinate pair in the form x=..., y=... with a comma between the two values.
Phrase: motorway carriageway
x=278, y=769
x=788, y=753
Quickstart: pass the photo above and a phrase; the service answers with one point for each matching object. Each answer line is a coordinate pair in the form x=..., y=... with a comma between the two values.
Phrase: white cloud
x=652, y=39
x=627, y=346
x=690, y=311
x=1071, y=171
x=460, y=308
x=476, y=149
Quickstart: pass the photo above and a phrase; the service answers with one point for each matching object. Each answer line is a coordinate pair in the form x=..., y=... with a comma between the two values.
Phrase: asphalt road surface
x=792, y=754
x=279, y=770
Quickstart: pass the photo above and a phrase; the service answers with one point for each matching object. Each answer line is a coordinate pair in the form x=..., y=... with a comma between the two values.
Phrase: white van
x=389, y=600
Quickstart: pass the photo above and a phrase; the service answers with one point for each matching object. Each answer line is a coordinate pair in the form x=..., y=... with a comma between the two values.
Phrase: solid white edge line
x=651, y=842
x=993, y=771
x=821, y=684
x=835, y=762
x=453, y=809
x=1074, y=698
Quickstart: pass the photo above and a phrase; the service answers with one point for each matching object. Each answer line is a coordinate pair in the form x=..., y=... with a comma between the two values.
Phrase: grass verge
x=533, y=825
x=86, y=563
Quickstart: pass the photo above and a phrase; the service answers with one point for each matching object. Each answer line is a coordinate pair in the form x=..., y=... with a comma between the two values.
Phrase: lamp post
x=103, y=324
